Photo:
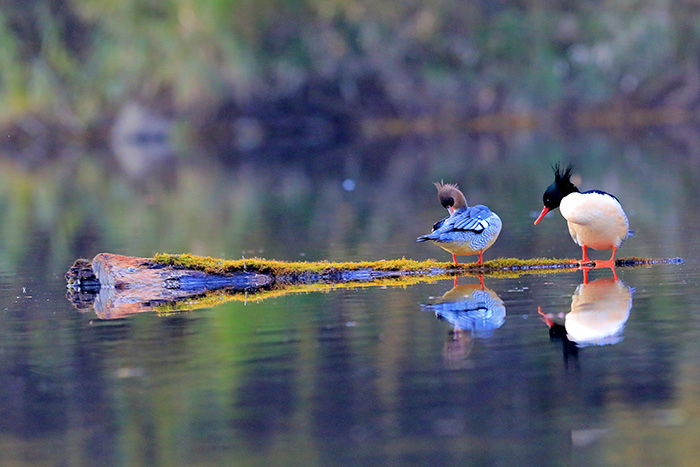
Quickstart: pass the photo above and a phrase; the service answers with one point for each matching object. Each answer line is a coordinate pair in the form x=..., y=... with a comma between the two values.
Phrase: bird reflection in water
x=599, y=311
x=472, y=308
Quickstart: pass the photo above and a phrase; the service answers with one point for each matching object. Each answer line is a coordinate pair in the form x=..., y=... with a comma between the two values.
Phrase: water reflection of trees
x=82, y=205
x=321, y=376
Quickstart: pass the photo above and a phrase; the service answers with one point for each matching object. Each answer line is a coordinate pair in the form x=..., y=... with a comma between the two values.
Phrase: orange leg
x=456, y=277
x=585, y=274
x=481, y=280
x=454, y=258
x=608, y=263
x=585, y=259
x=481, y=257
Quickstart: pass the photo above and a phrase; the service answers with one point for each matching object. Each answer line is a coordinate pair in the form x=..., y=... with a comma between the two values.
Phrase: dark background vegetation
x=239, y=74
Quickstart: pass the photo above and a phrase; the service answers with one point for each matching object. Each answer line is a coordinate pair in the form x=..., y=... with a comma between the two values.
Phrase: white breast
x=596, y=220
x=599, y=311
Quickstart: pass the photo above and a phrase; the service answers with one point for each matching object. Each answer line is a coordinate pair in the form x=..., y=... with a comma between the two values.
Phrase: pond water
x=541, y=370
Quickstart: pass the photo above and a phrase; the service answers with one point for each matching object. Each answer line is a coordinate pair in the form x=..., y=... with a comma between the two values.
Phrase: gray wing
x=474, y=219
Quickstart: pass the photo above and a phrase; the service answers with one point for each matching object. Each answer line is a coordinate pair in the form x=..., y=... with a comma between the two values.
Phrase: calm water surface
x=360, y=375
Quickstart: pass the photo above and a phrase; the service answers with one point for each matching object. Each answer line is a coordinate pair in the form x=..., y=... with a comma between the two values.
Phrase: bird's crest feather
x=450, y=195
x=442, y=184
x=562, y=175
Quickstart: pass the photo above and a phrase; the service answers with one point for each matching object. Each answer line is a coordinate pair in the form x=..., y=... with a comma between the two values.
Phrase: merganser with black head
x=466, y=230
x=595, y=218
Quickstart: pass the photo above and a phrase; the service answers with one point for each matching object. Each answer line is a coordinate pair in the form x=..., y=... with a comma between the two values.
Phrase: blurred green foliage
x=74, y=60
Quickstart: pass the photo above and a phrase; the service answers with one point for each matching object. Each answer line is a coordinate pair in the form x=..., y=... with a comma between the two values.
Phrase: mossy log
x=116, y=285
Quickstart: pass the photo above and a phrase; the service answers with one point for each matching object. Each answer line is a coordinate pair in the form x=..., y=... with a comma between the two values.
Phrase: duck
x=599, y=311
x=470, y=308
x=595, y=218
x=466, y=230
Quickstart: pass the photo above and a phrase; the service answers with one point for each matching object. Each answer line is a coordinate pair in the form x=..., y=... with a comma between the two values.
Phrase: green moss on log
x=496, y=267
x=280, y=268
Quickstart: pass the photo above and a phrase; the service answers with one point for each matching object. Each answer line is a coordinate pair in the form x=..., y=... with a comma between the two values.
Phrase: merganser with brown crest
x=466, y=230
x=595, y=218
